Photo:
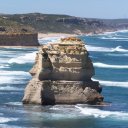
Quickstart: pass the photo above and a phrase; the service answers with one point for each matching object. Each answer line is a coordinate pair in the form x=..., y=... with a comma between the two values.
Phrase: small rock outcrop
x=62, y=75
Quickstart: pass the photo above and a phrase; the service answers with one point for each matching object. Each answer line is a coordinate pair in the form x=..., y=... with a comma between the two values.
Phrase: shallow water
x=109, y=53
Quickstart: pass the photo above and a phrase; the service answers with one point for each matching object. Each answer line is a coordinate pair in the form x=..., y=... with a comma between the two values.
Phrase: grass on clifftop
x=50, y=23
x=8, y=26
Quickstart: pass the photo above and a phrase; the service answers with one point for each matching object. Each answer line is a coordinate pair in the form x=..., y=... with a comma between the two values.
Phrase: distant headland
x=23, y=28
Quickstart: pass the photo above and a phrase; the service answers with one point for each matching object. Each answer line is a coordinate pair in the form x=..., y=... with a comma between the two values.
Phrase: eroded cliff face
x=62, y=75
x=19, y=39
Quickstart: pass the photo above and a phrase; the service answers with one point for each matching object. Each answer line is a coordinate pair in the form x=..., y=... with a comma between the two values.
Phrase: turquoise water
x=109, y=53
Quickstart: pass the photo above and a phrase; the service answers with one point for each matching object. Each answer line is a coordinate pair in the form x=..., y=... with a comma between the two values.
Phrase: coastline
x=50, y=35
x=63, y=35
x=43, y=36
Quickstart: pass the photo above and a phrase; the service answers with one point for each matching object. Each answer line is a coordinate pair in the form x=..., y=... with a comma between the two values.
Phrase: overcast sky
x=81, y=8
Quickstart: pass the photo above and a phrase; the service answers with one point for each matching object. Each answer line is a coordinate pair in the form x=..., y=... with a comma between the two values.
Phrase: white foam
x=54, y=108
x=122, y=31
x=115, y=32
x=7, y=52
x=6, y=55
x=6, y=79
x=114, y=38
x=11, y=80
x=4, y=66
x=27, y=58
x=112, y=83
x=119, y=49
x=117, y=55
x=3, y=61
x=97, y=49
x=5, y=120
x=102, y=65
x=97, y=113
x=10, y=126
x=10, y=88
x=14, y=103
x=13, y=73
x=105, y=49
x=13, y=77
x=107, y=33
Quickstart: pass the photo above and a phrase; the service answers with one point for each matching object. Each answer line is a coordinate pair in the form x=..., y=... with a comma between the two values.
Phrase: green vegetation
x=46, y=23
x=9, y=26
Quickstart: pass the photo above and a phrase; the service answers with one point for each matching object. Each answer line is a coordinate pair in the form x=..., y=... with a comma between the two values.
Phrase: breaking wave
x=97, y=49
x=119, y=49
x=115, y=32
x=13, y=77
x=115, y=36
x=112, y=83
x=27, y=58
x=4, y=66
x=97, y=113
x=105, y=49
x=13, y=73
x=5, y=120
x=10, y=88
x=102, y=65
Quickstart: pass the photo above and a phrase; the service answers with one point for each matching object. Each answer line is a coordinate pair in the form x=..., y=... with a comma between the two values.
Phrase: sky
x=108, y=9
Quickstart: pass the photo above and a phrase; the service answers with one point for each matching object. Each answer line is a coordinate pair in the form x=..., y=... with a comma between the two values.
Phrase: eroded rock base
x=62, y=92
x=62, y=75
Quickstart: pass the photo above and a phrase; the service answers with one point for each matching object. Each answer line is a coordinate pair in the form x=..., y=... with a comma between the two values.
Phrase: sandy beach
x=48, y=35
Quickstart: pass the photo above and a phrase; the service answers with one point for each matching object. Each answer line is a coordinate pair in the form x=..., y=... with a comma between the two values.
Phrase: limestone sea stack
x=62, y=75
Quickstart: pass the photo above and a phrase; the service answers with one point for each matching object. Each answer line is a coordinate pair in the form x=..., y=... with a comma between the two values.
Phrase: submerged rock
x=62, y=75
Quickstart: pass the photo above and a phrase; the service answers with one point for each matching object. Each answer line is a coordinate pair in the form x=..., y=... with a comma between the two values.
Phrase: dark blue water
x=109, y=53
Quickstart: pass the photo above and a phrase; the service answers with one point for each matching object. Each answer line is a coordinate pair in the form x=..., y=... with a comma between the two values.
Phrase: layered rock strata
x=62, y=75
x=19, y=39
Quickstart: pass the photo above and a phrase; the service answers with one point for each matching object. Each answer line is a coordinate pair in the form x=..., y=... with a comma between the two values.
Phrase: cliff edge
x=19, y=39
x=62, y=75
x=13, y=33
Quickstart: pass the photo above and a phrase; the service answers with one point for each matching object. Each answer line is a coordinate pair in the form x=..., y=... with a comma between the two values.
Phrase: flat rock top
x=70, y=45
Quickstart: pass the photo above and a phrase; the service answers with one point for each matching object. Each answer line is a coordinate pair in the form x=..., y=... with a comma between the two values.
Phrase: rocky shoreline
x=62, y=35
x=62, y=75
x=19, y=39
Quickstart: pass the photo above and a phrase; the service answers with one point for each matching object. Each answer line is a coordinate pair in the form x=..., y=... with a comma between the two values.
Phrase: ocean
x=109, y=53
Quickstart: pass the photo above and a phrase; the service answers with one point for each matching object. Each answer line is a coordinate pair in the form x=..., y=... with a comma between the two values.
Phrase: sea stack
x=62, y=75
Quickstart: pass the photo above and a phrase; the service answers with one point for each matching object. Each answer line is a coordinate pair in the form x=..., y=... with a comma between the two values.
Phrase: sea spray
x=27, y=58
x=97, y=113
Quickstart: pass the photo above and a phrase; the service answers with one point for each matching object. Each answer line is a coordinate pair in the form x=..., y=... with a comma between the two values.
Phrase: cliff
x=50, y=23
x=62, y=75
x=13, y=33
x=19, y=39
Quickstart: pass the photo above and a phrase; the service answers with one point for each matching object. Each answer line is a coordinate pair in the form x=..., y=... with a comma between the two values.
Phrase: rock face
x=62, y=75
x=20, y=39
